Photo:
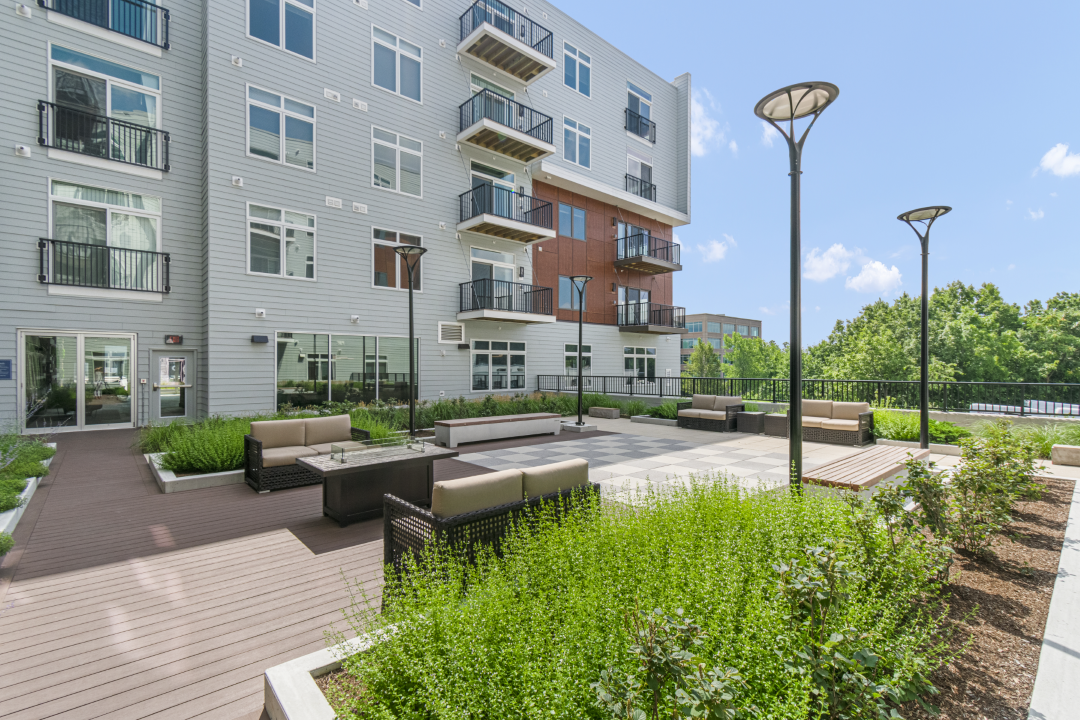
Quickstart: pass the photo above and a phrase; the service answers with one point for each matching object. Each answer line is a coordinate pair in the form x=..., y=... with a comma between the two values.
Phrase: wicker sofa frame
x=863, y=436
x=285, y=476
x=728, y=424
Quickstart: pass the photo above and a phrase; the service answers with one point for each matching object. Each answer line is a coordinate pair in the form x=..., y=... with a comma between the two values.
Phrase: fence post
x=1021, y=401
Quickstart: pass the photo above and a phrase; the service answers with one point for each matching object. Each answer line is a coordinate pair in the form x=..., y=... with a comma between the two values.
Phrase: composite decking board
x=864, y=469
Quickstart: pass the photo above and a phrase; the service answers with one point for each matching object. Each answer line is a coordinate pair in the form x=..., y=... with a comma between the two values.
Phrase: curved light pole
x=788, y=105
x=410, y=254
x=926, y=216
x=579, y=282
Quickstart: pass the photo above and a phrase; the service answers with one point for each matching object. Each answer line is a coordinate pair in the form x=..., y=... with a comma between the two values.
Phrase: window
x=570, y=354
x=714, y=327
x=685, y=359
x=717, y=343
x=743, y=330
x=629, y=295
x=754, y=330
x=638, y=167
x=281, y=242
x=396, y=64
x=414, y=2
x=478, y=83
x=729, y=328
x=639, y=103
x=571, y=221
x=578, y=74
x=639, y=362
x=266, y=18
x=388, y=268
x=396, y=162
x=568, y=294
x=492, y=265
x=280, y=129
x=694, y=327
x=317, y=368
x=688, y=343
x=498, y=365
x=577, y=143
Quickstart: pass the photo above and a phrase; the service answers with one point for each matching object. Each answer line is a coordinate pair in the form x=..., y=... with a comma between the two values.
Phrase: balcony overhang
x=505, y=228
x=560, y=177
x=506, y=316
x=490, y=135
x=507, y=53
x=652, y=329
x=648, y=264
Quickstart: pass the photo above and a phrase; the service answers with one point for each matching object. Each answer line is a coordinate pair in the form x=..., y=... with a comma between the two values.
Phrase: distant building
x=704, y=327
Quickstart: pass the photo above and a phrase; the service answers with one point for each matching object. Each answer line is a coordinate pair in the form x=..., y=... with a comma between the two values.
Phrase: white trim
x=509, y=374
x=103, y=33
x=397, y=65
x=506, y=316
x=248, y=219
x=483, y=218
x=106, y=293
x=577, y=71
x=398, y=149
x=486, y=28
x=397, y=264
x=569, y=180
x=419, y=4
x=105, y=164
x=489, y=124
x=281, y=28
x=282, y=113
x=450, y=342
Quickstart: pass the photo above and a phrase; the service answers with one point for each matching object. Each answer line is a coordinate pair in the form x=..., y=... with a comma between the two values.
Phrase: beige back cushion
x=817, y=408
x=848, y=410
x=722, y=401
x=279, y=433
x=335, y=428
x=702, y=402
x=457, y=497
x=551, y=478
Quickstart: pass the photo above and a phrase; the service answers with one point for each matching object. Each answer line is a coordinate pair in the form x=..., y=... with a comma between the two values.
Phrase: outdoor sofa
x=272, y=448
x=843, y=423
x=473, y=512
x=716, y=413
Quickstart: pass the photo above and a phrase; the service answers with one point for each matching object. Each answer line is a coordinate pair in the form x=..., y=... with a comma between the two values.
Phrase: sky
x=966, y=104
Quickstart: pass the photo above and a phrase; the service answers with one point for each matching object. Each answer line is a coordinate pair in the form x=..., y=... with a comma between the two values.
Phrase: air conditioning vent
x=451, y=332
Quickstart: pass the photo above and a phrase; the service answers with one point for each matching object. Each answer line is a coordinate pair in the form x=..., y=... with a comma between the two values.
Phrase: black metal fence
x=503, y=110
x=646, y=245
x=99, y=266
x=488, y=294
x=74, y=130
x=613, y=385
x=651, y=314
x=509, y=21
x=641, y=126
x=641, y=188
x=492, y=200
x=137, y=19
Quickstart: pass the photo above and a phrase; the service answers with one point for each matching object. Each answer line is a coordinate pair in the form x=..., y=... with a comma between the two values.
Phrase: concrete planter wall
x=170, y=483
x=9, y=519
x=650, y=420
x=289, y=689
x=603, y=412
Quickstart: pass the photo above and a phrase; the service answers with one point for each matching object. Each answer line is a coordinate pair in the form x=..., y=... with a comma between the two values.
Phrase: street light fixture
x=926, y=216
x=410, y=254
x=579, y=283
x=788, y=105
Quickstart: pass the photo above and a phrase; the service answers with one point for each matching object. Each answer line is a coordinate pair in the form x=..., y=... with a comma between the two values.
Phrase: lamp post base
x=574, y=427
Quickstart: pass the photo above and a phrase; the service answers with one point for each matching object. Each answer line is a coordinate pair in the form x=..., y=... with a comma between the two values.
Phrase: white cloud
x=875, y=277
x=733, y=147
x=1011, y=267
x=1059, y=161
x=1008, y=203
x=766, y=311
x=1036, y=214
x=705, y=130
x=817, y=308
x=768, y=134
x=714, y=250
x=1053, y=194
x=820, y=266
x=730, y=240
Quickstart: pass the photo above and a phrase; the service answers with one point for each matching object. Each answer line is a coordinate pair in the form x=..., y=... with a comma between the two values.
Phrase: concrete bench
x=452, y=432
x=862, y=471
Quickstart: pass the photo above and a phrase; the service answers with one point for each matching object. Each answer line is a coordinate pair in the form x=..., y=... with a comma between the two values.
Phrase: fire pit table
x=356, y=475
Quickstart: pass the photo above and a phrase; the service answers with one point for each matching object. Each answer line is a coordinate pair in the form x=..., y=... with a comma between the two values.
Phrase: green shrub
x=635, y=407
x=213, y=445
x=6, y=543
x=897, y=425
x=20, y=458
x=668, y=410
x=1043, y=437
x=750, y=407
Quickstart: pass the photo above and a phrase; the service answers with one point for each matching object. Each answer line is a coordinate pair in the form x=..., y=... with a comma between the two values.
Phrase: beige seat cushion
x=848, y=410
x=692, y=413
x=712, y=415
x=335, y=428
x=321, y=448
x=849, y=425
x=723, y=401
x=808, y=421
x=457, y=497
x=817, y=408
x=279, y=433
x=547, y=479
x=702, y=402
x=276, y=457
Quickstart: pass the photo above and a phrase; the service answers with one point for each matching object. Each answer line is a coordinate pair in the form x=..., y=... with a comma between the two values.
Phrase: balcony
x=648, y=254
x=505, y=301
x=651, y=318
x=99, y=266
x=501, y=125
x=643, y=127
x=137, y=19
x=507, y=40
x=73, y=130
x=641, y=188
x=506, y=214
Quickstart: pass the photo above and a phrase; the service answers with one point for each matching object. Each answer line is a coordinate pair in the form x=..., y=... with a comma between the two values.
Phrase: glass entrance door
x=173, y=391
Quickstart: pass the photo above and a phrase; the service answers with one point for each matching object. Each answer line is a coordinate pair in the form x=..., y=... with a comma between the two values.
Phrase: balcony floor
x=498, y=226
x=506, y=316
x=647, y=264
x=506, y=53
x=497, y=138
x=652, y=329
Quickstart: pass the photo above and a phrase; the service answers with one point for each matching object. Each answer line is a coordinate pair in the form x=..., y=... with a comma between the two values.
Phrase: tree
x=704, y=362
x=752, y=357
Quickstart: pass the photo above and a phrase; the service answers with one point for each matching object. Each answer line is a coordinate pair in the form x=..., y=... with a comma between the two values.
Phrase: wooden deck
x=865, y=469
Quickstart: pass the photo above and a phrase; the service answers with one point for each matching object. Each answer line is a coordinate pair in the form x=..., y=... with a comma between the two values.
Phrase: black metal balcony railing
x=99, y=266
x=488, y=199
x=137, y=19
x=641, y=126
x=651, y=314
x=503, y=110
x=641, y=188
x=646, y=245
x=488, y=294
x=74, y=130
x=509, y=21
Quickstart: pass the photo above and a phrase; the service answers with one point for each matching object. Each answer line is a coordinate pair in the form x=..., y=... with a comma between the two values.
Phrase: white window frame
x=282, y=112
x=397, y=64
x=509, y=375
x=248, y=219
x=105, y=206
x=330, y=345
x=419, y=4
x=584, y=354
x=636, y=355
x=110, y=80
x=397, y=161
x=572, y=54
x=402, y=282
x=494, y=263
x=281, y=28
x=475, y=88
x=578, y=134
x=632, y=159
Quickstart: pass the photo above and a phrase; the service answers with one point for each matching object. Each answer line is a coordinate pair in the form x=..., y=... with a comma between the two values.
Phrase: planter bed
x=650, y=420
x=170, y=482
x=9, y=519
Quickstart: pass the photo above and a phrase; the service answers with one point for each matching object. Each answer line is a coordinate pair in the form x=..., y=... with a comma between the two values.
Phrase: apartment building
x=203, y=203
x=705, y=327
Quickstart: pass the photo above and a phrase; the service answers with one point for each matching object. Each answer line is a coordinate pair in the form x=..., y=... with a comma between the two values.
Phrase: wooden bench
x=452, y=432
x=863, y=470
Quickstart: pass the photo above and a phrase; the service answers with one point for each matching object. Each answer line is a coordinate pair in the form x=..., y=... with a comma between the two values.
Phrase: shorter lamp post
x=410, y=255
x=926, y=216
x=579, y=283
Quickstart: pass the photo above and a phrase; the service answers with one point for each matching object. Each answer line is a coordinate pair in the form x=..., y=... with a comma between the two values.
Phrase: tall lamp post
x=786, y=106
x=579, y=283
x=410, y=255
x=926, y=217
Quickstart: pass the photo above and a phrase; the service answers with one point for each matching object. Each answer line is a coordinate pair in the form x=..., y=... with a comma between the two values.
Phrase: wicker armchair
x=264, y=479
x=693, y=423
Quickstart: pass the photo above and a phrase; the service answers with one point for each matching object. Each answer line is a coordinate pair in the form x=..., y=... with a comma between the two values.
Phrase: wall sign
x=5, y=369
x=174, y=339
